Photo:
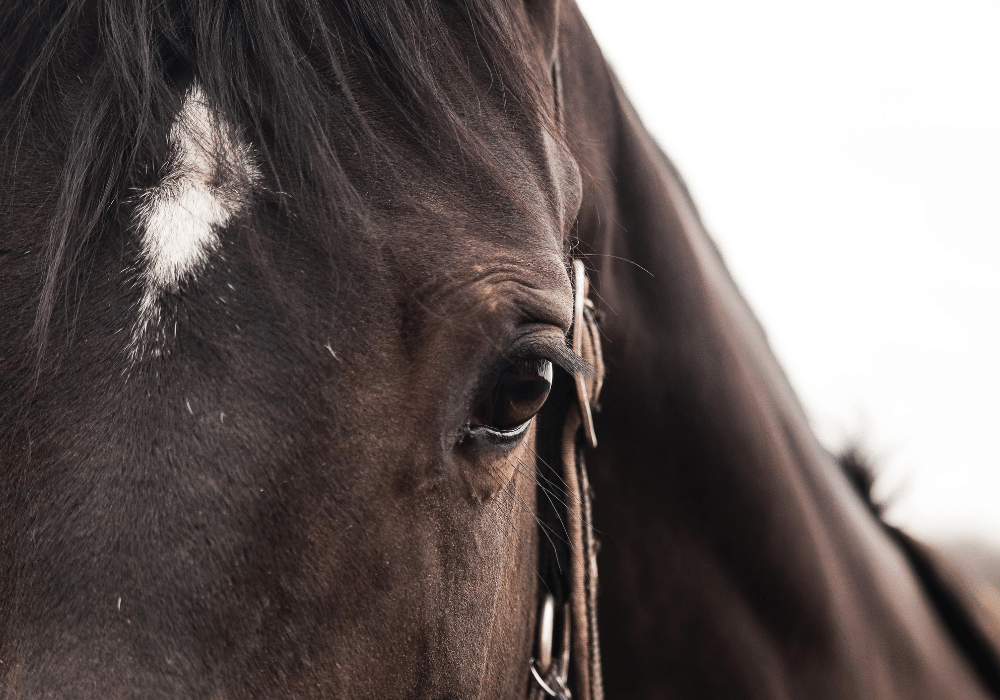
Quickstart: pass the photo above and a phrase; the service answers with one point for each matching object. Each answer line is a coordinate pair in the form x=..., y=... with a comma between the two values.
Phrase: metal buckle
x=544, y=664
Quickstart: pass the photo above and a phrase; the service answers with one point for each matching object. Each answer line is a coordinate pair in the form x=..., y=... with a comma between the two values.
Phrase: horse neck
x=737, y=553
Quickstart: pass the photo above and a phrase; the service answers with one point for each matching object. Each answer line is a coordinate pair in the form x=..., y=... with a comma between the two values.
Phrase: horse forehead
x=446, y=255
x=482, y=236
x=564, y=178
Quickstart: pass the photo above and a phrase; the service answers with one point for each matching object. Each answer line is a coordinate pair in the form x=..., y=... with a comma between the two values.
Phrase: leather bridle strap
x=558, y=677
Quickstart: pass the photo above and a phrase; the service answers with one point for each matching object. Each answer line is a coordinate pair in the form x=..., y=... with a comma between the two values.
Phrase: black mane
x=303, y=79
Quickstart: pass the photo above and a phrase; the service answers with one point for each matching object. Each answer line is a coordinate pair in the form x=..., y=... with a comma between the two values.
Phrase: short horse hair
x=286, y=72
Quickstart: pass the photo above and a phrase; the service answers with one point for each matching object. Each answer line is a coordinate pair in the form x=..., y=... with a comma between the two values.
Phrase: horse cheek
x=489, y=475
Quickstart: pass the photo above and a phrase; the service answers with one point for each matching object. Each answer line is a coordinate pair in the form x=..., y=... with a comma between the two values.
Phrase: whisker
x=615, y=257
x=546, y=528
x=558, y=515
x=543, y=527
x=562, y=483
x=519, y=498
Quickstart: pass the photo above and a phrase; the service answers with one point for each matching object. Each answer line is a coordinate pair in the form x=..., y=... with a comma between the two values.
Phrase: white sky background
x=846, y=158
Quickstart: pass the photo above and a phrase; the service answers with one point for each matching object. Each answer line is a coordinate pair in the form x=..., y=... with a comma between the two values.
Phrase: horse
x=344, y=339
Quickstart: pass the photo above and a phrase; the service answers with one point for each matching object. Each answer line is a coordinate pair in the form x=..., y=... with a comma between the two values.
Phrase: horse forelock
x=308, y=87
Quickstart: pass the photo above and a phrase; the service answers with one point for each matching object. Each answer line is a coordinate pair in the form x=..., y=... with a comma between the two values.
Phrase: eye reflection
x=516, y=397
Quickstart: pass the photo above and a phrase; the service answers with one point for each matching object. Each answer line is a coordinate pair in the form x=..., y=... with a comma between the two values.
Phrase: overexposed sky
x=846, y=158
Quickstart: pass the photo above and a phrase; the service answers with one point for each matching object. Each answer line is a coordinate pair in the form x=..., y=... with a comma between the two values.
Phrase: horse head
x=270, y=396
x=297, y=351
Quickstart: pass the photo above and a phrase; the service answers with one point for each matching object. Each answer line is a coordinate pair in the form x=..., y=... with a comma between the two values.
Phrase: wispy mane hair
x=286, y=72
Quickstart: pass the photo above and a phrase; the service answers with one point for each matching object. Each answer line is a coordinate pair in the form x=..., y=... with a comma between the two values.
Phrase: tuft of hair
x=860, y=471
x=310, y=84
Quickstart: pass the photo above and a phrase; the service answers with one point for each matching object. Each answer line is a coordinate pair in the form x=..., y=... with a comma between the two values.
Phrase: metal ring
x=562, y=694
x=565, y=694
x=538, y=679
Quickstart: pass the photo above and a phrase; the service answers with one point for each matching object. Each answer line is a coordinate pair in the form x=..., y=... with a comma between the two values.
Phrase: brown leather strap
x=579, y=631
x=590, y=349
x=580, y=649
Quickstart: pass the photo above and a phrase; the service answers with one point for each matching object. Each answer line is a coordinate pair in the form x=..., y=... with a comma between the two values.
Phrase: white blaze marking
x=179, y=219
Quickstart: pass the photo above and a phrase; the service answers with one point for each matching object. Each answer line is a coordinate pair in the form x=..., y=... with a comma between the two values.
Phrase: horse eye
x=516, y=397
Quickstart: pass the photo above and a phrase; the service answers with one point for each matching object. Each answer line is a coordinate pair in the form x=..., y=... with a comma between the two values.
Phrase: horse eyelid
x=553, y=350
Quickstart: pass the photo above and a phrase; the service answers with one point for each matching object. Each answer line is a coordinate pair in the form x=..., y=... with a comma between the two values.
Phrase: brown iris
x=516, y=397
